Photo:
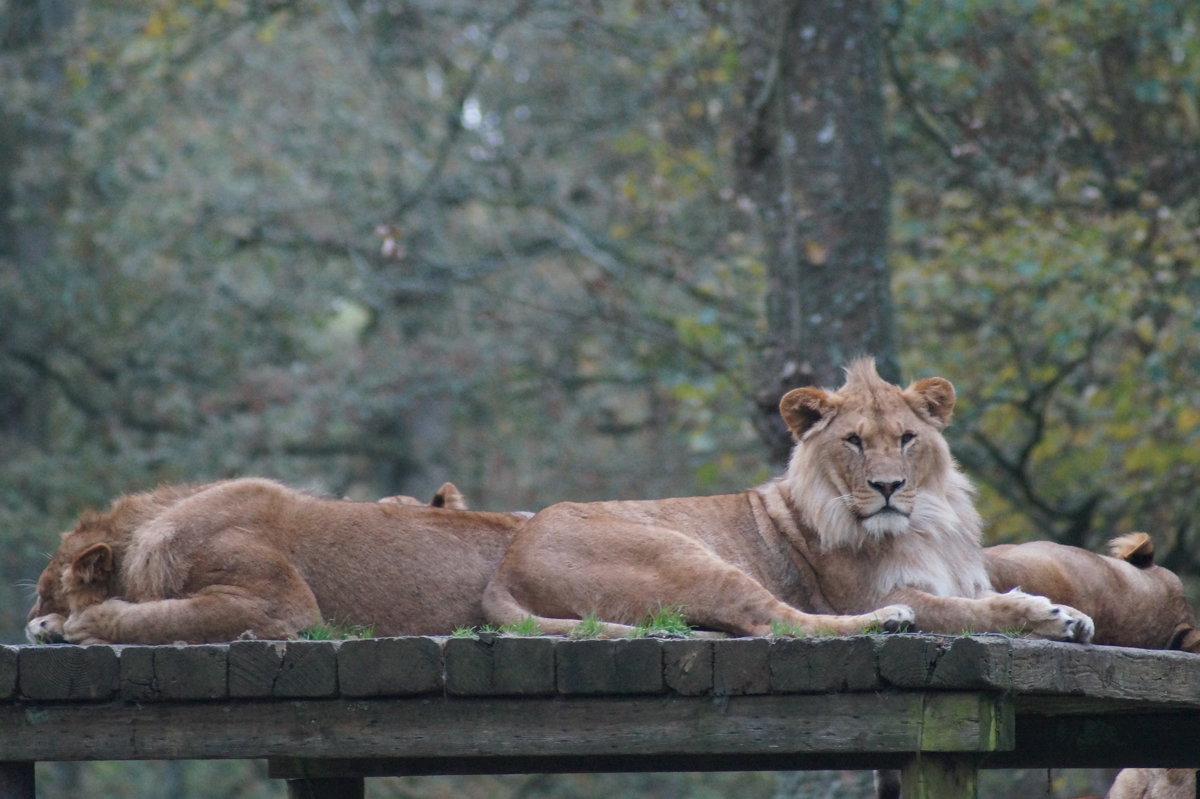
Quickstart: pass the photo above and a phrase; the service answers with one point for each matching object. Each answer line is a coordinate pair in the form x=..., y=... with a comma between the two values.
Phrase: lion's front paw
x=1079, y=626
x=46, y=629
x=895, y=618
x=96, y=624
x=1044, y=619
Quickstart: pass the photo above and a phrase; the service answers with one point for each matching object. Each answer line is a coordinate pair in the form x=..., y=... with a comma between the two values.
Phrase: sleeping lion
x=871, y=524
x=212, y=562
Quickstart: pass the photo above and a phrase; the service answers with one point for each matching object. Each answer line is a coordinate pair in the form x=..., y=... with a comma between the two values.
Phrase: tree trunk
x=812, y=159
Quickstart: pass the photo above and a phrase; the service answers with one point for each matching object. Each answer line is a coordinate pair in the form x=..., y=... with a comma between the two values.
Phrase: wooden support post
x=935, y=776
x=327, y=788
x=16, y=780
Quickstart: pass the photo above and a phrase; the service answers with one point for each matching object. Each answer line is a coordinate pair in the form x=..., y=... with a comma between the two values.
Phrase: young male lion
x=214, y=561
x=871, y=523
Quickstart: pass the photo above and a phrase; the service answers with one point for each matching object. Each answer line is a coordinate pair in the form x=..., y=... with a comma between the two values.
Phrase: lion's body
x=210, y=562
x=1132, y=601
x=871, y=512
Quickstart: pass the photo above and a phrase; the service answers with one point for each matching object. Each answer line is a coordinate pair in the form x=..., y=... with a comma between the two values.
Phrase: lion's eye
x=854, y=441
x=906, y=438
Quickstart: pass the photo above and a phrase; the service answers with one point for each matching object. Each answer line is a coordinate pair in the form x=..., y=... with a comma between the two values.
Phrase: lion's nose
x=886, y=487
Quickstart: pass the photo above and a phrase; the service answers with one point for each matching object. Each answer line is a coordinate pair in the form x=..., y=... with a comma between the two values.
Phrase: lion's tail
x=502, y=608
x=1136, y=549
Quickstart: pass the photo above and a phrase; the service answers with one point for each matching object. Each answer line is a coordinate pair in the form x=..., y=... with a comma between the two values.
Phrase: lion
x=872, y=524
x=217, y=561
x=1132, y=601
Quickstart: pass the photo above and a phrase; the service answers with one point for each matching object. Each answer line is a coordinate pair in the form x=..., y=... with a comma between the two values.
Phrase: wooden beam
x=345, y=788
x=863, y=723
x=937, y=776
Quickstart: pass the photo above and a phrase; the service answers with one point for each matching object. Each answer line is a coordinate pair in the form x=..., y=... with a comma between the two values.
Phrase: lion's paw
x=46, y=629
x=1044, y=619
x=895, y=618
x=96, y=624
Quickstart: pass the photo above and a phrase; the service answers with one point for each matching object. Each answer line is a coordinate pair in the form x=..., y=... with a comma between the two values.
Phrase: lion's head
x=870, y=460
x=84, y=569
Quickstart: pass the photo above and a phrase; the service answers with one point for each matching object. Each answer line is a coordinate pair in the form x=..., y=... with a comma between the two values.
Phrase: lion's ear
x=449, y=497
x=93, y=564
x=804, y=408
x=933, y=398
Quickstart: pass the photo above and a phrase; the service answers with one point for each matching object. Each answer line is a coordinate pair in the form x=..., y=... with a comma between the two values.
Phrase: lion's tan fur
x=872, y=511
x=210, y=562
x=1154, y=783
x=1132, y=601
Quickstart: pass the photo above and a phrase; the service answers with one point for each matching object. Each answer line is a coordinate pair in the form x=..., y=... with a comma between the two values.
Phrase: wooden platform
x=332, y=713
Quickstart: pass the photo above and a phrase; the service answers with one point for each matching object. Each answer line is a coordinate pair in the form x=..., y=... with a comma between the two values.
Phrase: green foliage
x=589, y=626
x=526, y=626
x=336, y=631
x=665, y=621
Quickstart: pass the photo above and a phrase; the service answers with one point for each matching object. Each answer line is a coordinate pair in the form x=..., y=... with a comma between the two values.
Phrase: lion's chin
x=885, y=522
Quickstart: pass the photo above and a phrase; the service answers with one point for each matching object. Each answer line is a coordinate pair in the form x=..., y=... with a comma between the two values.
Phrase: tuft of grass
x=589, y=626
x=473, y=632
x=526, y=626
x=665, y=621
x=333, y=631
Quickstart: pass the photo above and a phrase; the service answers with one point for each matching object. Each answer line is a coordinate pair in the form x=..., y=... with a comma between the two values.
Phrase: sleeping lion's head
x=870, y=460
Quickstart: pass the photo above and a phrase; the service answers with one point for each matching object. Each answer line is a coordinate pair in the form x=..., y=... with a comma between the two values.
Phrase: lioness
x=1132, y=601
x=211, y=562
x=872, y=511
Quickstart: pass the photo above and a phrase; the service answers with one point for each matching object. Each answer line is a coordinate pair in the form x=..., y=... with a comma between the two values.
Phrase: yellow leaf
x=816, y=252
x=156, y=25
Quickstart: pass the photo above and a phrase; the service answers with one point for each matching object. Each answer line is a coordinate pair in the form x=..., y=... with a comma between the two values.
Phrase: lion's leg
x=562, y=574
x=1013, y=612
x=215, y=613
x=737, y=603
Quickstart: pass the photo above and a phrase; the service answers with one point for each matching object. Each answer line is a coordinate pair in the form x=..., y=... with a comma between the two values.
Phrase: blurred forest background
x=534, y=247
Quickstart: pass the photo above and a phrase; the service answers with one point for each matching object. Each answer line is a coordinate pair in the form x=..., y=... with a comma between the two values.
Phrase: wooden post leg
x=16, y=780
x=326, y=788
x=935, y=776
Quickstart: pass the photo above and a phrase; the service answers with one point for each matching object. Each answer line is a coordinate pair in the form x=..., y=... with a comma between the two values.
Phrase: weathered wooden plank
x=688, y=667
x=439, y=727
x=67, y=672
x=820, y=665
x=164, y=673
x=740, y=666
x=493, y=665
x=8, y=672
x=1043, y=667
x=624, y=666
x=390, y=667
x=308, y=670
